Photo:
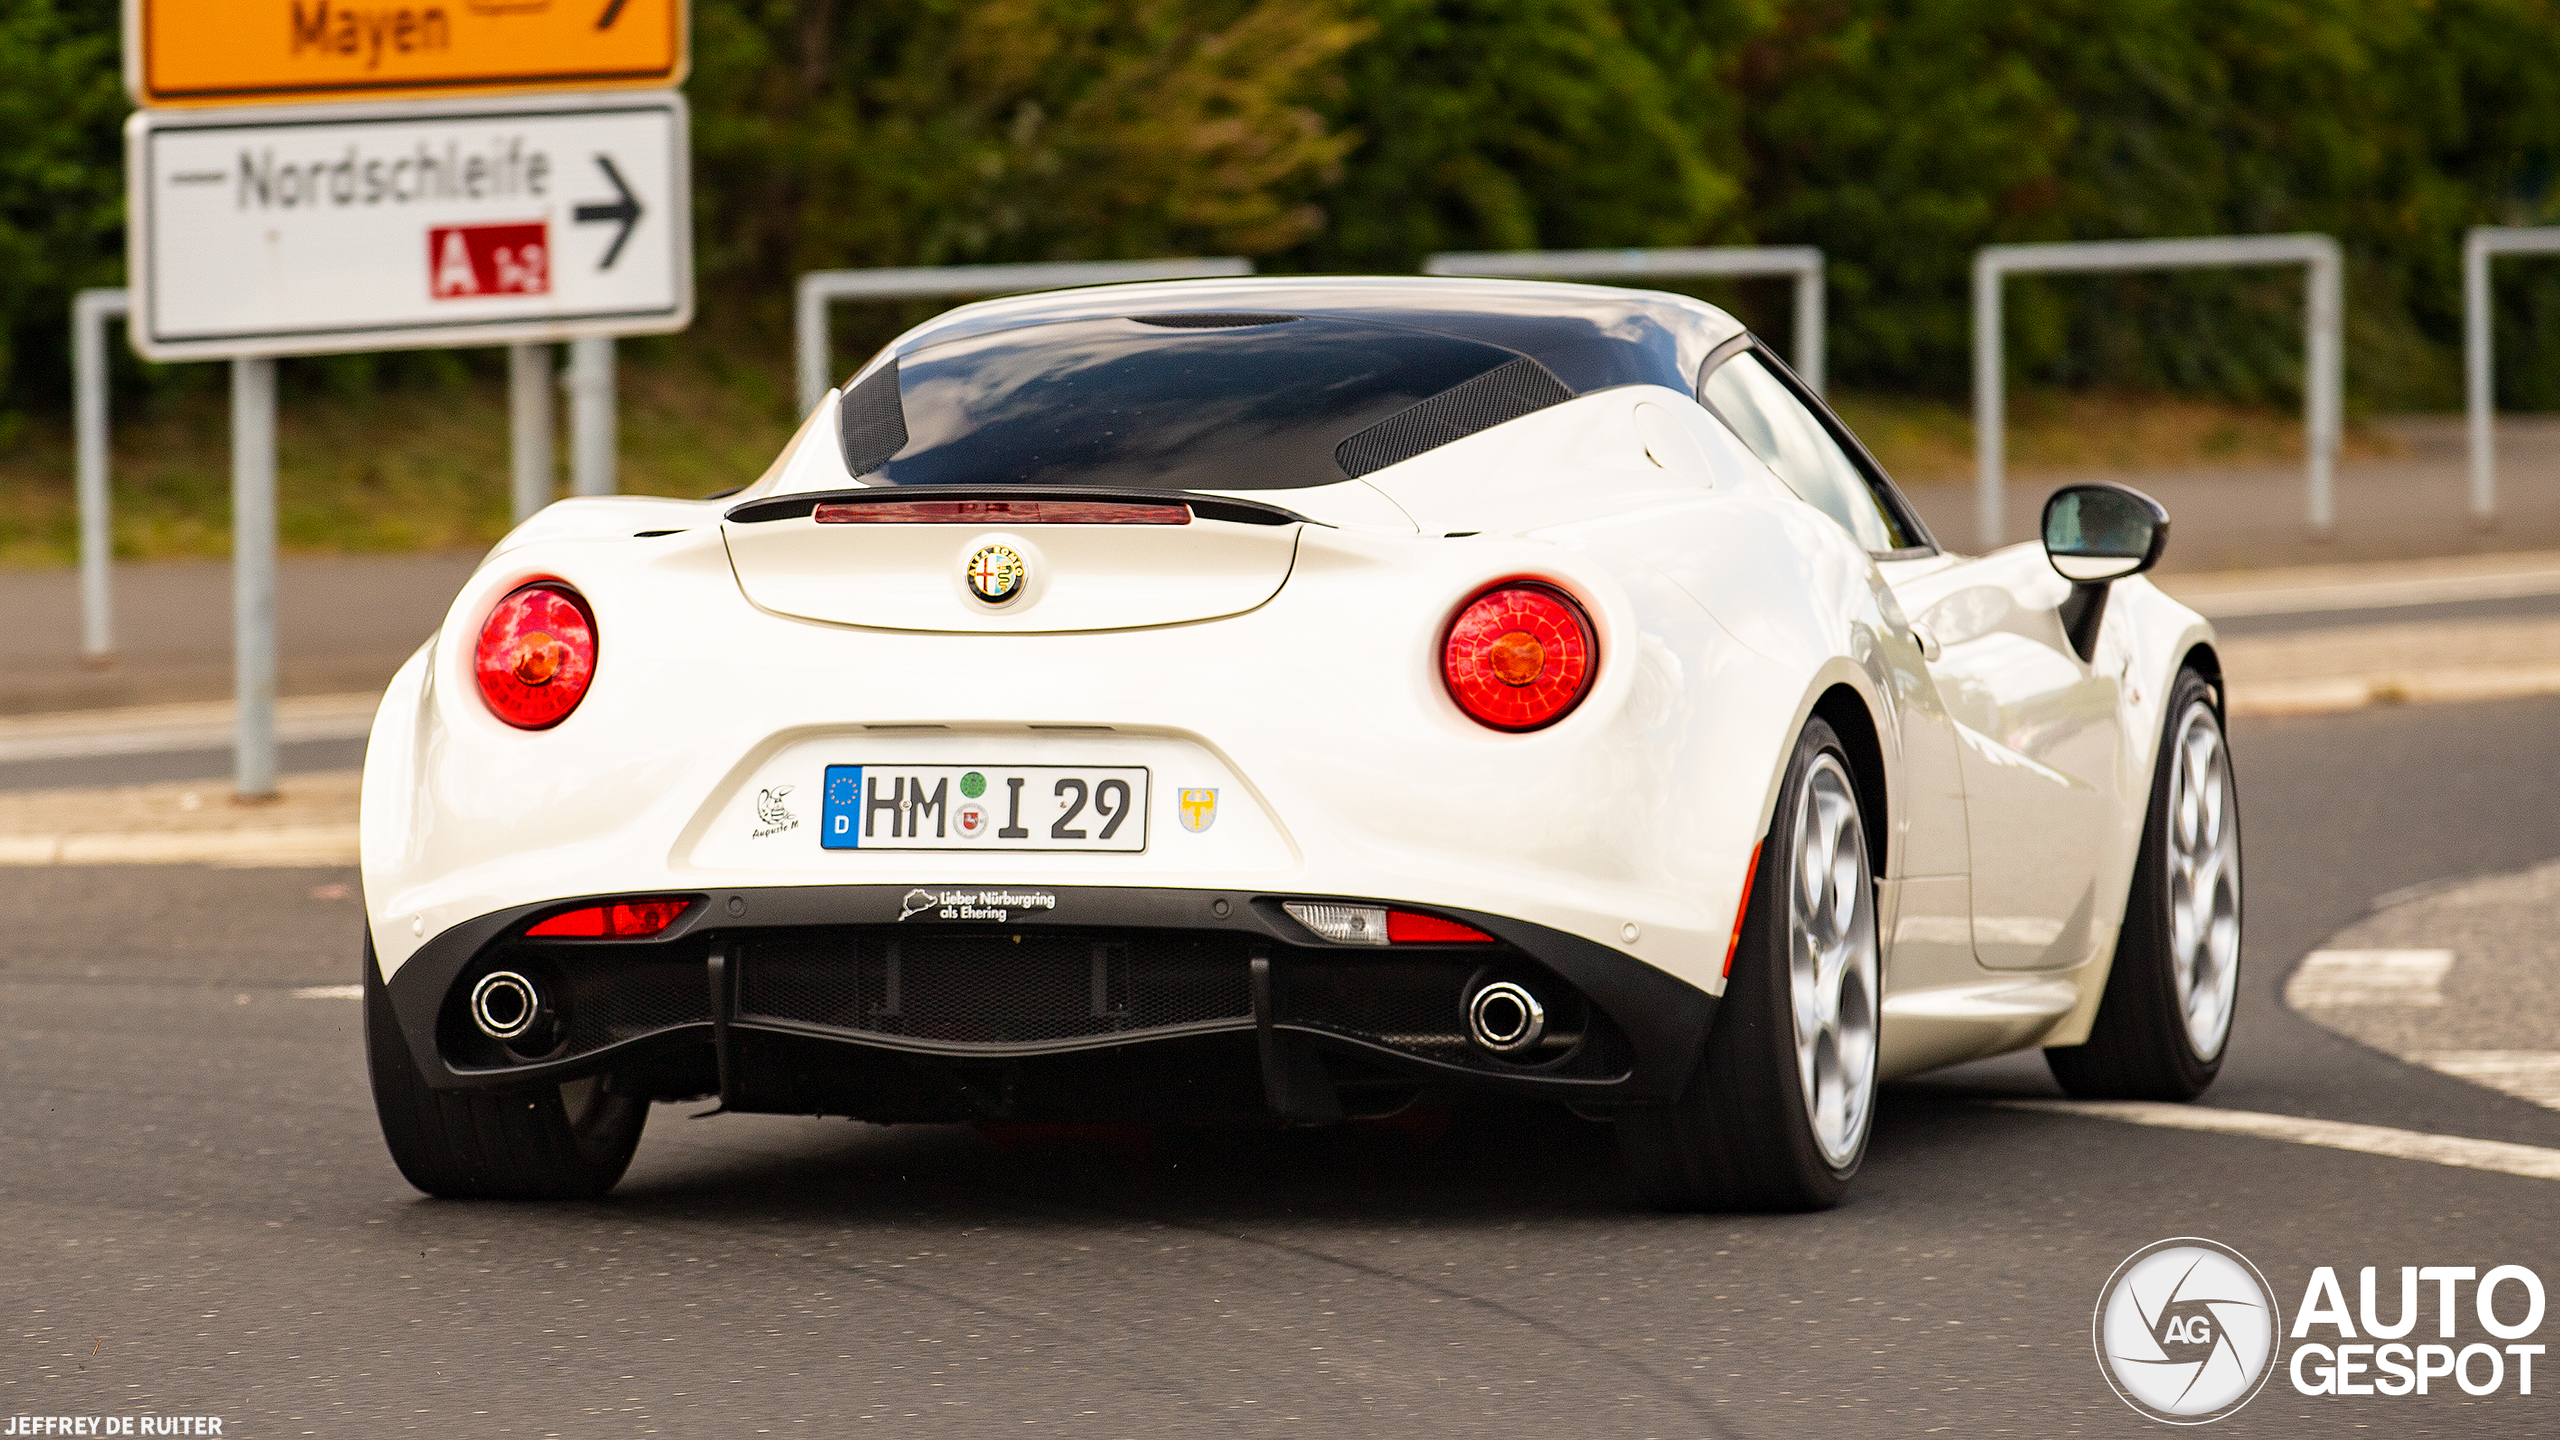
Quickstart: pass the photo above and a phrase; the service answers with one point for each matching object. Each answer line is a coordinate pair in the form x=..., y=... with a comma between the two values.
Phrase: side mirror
x=2095, y=535
x=2098, y=533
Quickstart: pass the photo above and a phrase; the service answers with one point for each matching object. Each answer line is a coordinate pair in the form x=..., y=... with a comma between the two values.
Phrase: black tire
x=1742, y=1138
x=556, y=1142
x=2142, y=1046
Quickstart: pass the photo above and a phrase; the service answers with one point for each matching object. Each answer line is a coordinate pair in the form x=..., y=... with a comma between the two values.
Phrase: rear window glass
x=1196, y=402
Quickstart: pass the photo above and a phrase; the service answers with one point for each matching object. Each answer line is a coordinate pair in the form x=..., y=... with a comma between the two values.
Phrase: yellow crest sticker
x=1199, y=810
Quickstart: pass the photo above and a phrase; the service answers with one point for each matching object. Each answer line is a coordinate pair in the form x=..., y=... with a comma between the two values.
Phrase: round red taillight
x=537, y=654
x=1519, y=656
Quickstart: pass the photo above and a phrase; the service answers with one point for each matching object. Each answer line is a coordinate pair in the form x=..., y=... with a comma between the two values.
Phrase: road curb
x=282, y=846
x=313, y=823
x=2331, y=694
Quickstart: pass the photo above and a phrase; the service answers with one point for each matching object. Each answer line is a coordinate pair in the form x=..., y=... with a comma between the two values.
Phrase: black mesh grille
x=1505, y=392
x=1412, y=1005
x=1212, y=320
x=875, y=421
x=612, y=1002
x=996, y=988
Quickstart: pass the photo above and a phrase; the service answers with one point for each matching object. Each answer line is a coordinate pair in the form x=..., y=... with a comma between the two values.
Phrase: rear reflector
x=1406, y=928
x=1742, y=908
x=1378, y=925
x=999, y=512
x=622, y=920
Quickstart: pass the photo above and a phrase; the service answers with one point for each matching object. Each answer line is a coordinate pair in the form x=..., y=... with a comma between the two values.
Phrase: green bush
x=61, y=184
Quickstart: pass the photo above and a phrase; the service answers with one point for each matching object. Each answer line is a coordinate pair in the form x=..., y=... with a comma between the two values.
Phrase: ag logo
x=995, y=573
x=2185, y=1331
x=1199, y=810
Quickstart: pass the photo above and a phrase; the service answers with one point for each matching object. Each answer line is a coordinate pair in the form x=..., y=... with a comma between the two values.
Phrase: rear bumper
x=886, y=1003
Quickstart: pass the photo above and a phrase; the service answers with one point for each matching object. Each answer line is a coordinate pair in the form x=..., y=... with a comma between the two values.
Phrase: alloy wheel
x=2204, y=882
x=1832, y=963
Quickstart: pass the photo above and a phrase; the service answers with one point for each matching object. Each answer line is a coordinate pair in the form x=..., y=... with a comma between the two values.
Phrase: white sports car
x=1293, y=699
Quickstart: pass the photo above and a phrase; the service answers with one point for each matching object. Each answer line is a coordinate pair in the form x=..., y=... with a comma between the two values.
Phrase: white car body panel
x=1293, y=669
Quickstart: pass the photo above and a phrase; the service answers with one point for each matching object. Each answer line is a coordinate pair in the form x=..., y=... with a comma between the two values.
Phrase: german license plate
x=984, y=807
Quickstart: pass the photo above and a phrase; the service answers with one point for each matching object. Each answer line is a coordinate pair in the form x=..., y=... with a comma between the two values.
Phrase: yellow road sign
x=239, y=52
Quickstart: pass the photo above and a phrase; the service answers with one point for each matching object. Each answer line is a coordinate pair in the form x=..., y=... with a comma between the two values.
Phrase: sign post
x=307, y=176
x=253, y=575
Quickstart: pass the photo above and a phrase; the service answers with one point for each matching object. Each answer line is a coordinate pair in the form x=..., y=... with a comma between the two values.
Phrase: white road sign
x=395, y=227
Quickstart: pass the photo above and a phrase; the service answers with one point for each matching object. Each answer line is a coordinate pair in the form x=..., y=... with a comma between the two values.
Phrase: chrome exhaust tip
x=1505, y=1018
x=506, y=1006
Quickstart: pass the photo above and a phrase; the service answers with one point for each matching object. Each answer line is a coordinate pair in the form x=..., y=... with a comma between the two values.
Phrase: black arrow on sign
x=611, y=13
x=627, y=210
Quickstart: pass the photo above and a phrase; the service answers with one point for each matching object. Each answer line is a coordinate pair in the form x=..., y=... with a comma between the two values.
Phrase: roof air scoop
x=875, y=421
x=1507, y=392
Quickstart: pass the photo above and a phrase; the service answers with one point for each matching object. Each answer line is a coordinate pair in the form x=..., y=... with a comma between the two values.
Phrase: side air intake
x=875, y=421
x=1505, y=392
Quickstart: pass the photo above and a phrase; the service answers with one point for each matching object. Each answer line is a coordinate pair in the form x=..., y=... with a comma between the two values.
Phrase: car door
x=1924, y=905
x=2038, y=731
x=2041, y=744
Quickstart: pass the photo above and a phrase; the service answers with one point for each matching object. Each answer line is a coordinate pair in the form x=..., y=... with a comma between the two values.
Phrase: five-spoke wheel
x=1831, y=963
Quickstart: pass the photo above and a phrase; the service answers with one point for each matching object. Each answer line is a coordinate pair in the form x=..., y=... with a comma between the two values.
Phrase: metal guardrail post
x=2322, y=344
x=1804, y=262
x=253, y=575
x=940, y=282
x=2323, y=363
x=529, y=381
x=1990, y=406
x=1809, y=322
x=594, y=436
x=2479, y=245
x=91, y=310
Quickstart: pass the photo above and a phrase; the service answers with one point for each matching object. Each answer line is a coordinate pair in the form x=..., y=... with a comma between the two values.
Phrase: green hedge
x=1898, y=135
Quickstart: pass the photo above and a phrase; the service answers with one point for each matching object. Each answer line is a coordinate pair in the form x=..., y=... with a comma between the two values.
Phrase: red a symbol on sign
x=467, y=261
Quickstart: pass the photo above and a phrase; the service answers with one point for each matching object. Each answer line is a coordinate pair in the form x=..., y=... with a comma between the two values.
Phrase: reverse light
x=1341, y=924
x=1378, y=925
x=1519, y=656
x=537, y=655
x=621, y=920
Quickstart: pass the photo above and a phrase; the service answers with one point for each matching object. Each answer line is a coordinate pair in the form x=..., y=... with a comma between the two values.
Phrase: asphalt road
x=199, y=1218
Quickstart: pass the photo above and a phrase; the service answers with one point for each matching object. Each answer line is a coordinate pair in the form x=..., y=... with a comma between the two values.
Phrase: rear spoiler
x=1207, y=507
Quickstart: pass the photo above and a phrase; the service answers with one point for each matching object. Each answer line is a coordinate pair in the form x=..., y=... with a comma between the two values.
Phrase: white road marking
x=329, y=992
x=2531, y=1161
x=2369, y=977
x=2526, y=1074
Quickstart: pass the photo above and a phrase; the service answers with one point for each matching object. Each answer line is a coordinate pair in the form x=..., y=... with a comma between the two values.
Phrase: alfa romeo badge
x=996, y=574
